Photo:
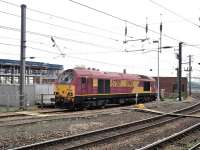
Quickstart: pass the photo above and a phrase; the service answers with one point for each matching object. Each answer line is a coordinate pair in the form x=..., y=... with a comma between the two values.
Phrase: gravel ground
x=17, y=136
x=22, y=135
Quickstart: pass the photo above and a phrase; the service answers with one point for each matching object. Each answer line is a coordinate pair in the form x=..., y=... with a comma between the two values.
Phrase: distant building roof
x=31, y=63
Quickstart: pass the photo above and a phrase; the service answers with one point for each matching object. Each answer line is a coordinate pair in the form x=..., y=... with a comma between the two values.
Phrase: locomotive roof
x=109, y=75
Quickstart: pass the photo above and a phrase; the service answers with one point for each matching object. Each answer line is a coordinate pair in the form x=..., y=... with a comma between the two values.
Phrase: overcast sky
x=88, y=38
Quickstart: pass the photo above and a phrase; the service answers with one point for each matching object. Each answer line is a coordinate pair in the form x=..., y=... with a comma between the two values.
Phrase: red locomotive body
x=78, y=88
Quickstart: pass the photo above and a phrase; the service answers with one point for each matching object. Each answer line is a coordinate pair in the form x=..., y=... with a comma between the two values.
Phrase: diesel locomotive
x=82, y=88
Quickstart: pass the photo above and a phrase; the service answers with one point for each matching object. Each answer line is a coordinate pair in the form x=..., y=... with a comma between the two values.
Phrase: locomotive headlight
x=69, y=94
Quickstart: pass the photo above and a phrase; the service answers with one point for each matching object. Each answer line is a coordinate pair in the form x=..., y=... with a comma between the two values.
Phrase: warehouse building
x=36, y=72
x=169, y=88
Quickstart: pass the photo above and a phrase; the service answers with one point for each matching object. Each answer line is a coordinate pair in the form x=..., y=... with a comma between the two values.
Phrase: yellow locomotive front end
x=65, y=90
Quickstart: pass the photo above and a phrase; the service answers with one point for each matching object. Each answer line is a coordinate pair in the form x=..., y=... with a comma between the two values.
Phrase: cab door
x=107, y=86
x=103, y=86
x=100, y=86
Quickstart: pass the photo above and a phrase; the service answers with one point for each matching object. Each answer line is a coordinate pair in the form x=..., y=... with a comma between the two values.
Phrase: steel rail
x=169, y=138
x=11, y=115
x=19, y=114
x=195, y=146
x=91, y=133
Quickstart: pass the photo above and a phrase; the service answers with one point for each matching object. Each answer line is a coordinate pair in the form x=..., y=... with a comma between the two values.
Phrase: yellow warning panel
x=140, y=106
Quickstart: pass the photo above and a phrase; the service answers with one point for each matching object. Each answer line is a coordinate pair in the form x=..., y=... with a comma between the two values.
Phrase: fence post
x=136, y=99
x=42, y=98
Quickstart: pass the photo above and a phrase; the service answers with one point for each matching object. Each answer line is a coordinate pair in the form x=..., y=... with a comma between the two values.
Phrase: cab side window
x=146, y=86
x=83, y=80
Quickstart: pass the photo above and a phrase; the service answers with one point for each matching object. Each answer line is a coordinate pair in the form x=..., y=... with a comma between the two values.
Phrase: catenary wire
x=63, y=18
x=118, y=18
x=140, y=26
x=13, y=4
x=69, y=20
x=70, y=55
x=81, y=42
x=62, y=27
x=61, y=38
x=174, y=13
x=124, y=20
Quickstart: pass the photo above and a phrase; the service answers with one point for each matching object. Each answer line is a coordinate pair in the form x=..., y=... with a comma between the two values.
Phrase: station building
x=36, y=72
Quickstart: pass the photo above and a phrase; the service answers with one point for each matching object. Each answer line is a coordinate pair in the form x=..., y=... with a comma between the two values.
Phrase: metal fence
x=9, y=94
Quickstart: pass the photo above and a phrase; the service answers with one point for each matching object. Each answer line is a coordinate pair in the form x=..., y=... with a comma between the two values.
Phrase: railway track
x=195, y=147
x=27, y=120
x=30, y=117
x=24, y=113
x=174, y=137
x=104, y=135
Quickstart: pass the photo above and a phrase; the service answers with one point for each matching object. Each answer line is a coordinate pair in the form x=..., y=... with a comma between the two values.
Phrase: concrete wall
x=9, y=94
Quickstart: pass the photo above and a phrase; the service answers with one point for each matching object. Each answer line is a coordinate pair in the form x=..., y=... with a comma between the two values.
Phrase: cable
x=66, y=19
x=7, y=13
x=81, y=42
x=10, y=38
x=61, y=38
x=118, y=18
x=72, y=40
x=46, y=51
x=174, y=13
x=139, y=26
x=7, y=44
x=77, y=22
x=14, y=45
x=72, y=29
x=9, y=28
x=13, y=4
x=106, y=63
x=31, y=41
x=39, y=49
x=11, y=54
x=100, y=62
x=63, y=27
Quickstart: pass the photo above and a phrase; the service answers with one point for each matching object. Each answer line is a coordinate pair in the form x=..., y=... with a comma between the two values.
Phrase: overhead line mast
x=22, y=102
